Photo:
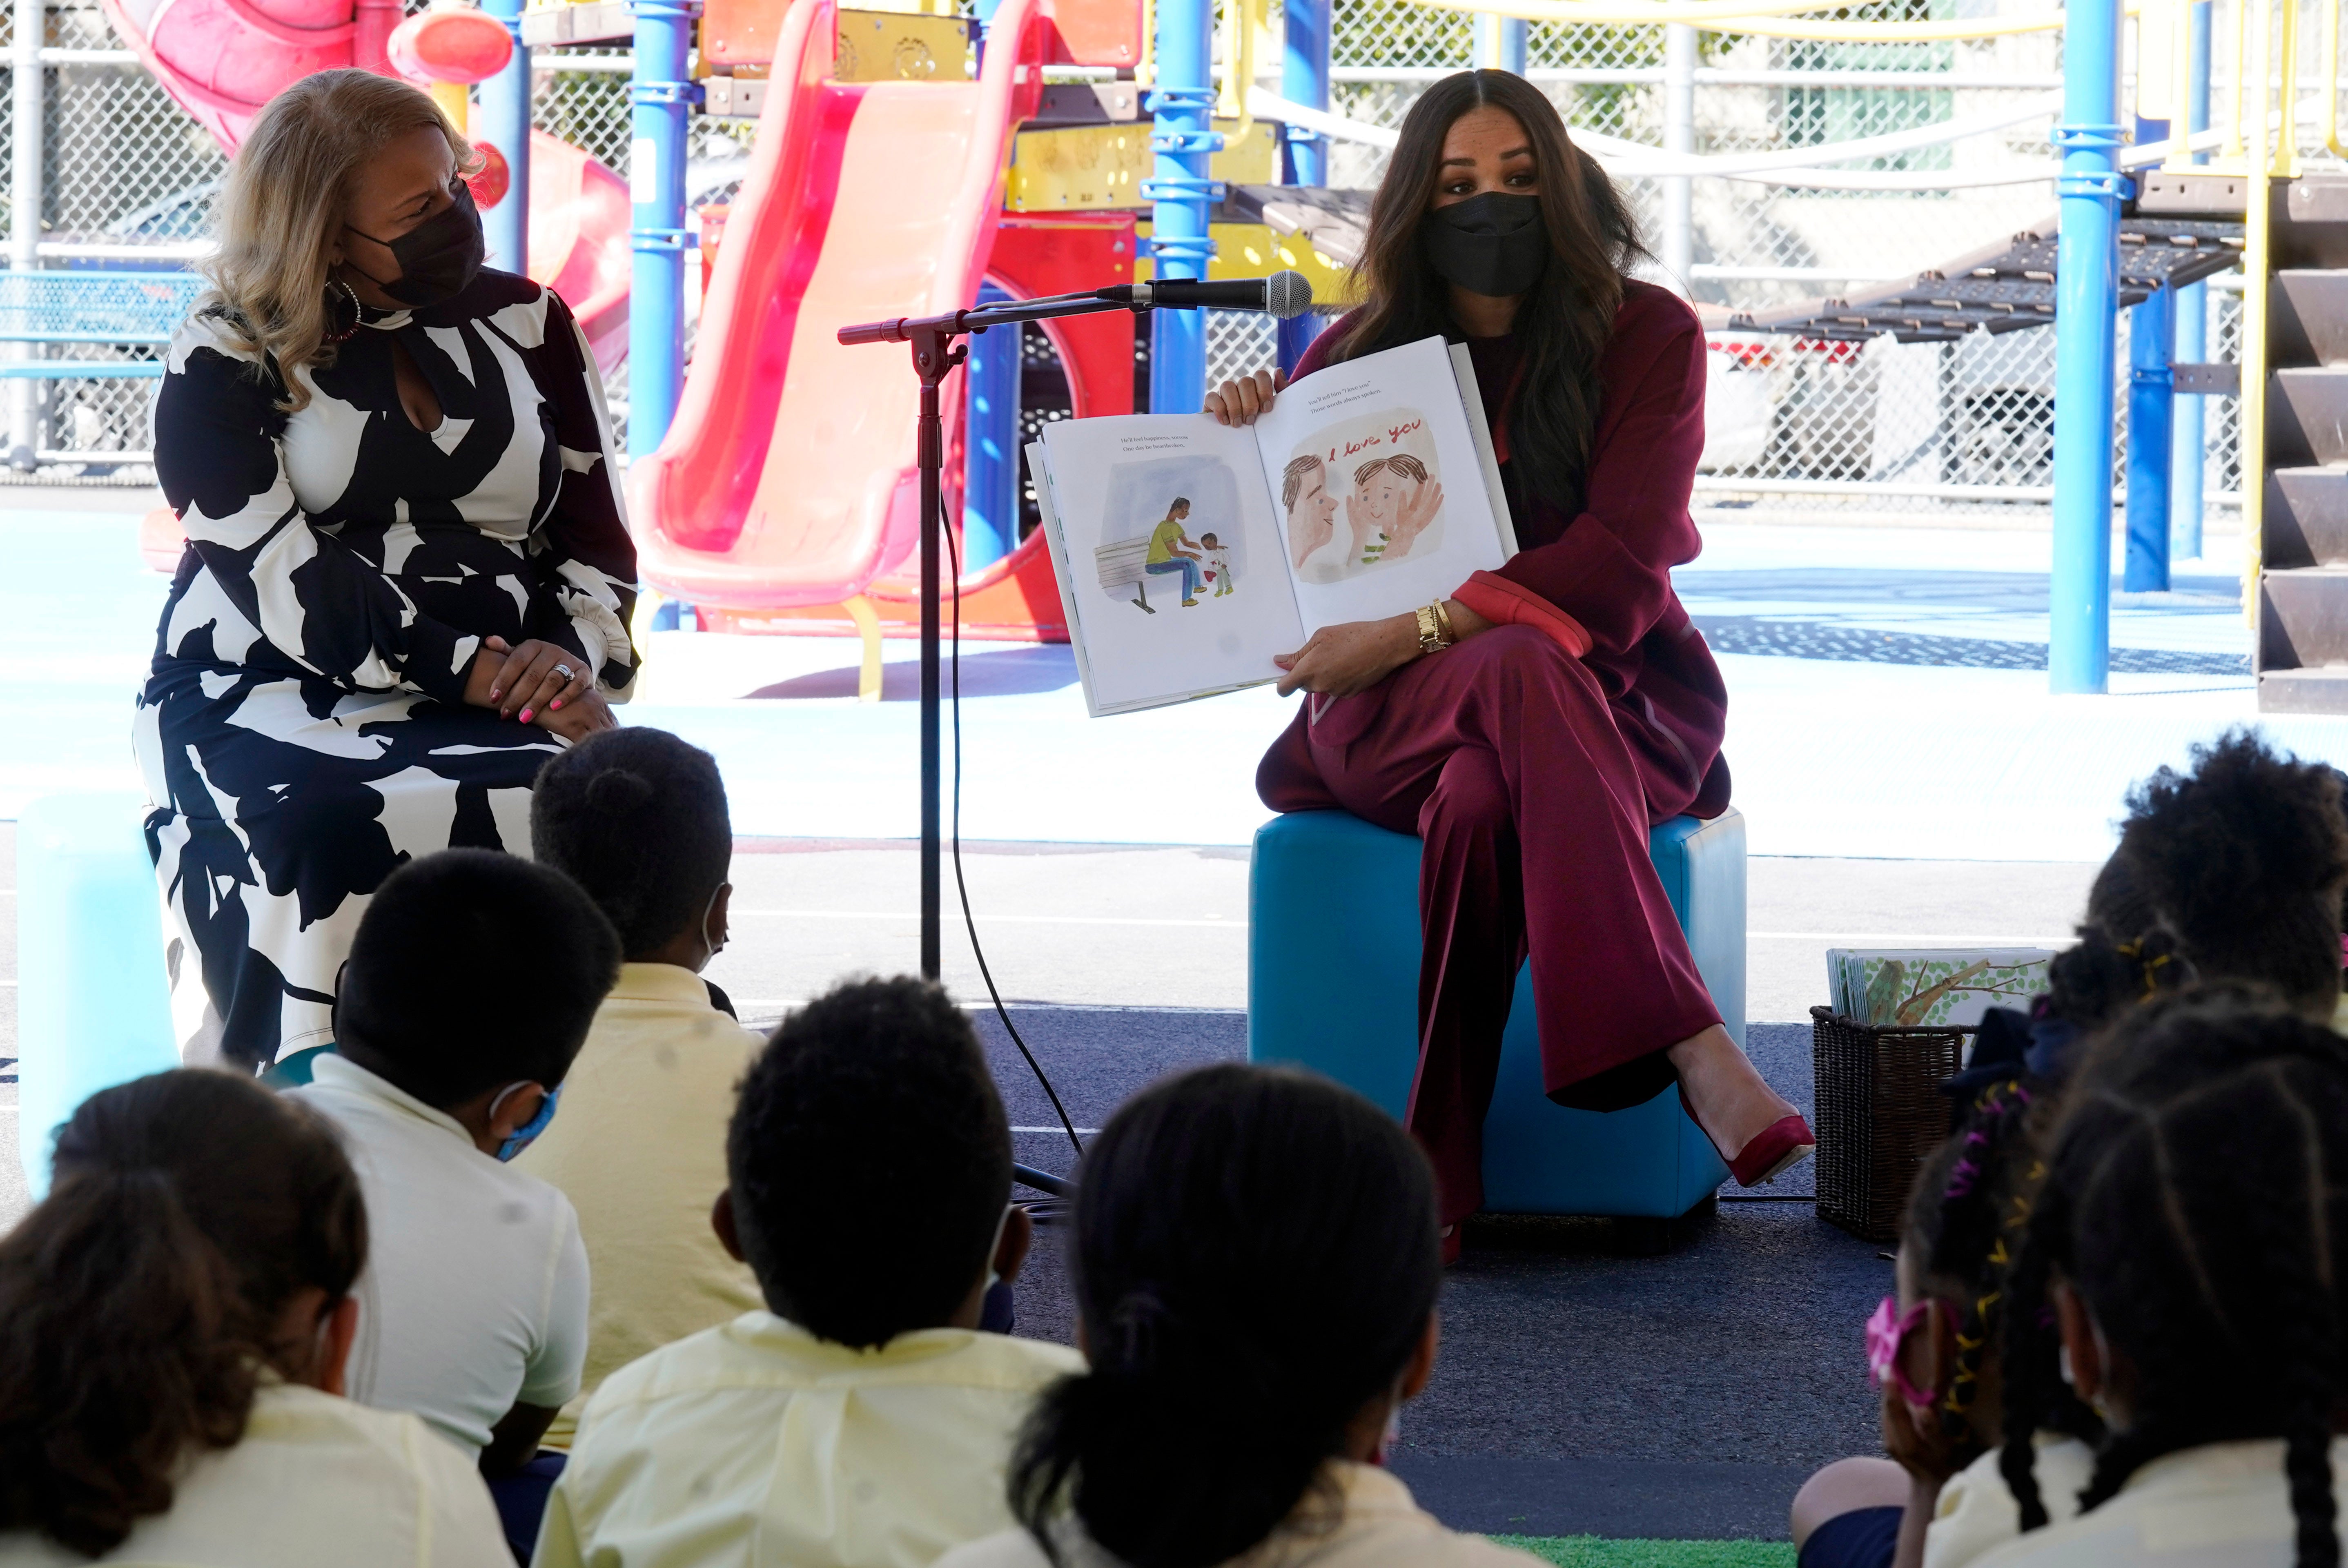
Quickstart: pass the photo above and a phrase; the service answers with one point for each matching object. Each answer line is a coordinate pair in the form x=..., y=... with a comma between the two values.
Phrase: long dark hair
x=1967, y=1218
x=1255, y=1260
x=2191, y=1199
x=140, y=1302
x=1561, y=325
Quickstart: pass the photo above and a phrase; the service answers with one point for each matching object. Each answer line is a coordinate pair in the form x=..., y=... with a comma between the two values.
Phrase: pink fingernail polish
x=556, y=705
x=525, y=715
x=495, y=692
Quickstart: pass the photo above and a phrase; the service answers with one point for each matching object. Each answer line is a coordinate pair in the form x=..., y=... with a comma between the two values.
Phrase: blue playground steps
x=1332, y=984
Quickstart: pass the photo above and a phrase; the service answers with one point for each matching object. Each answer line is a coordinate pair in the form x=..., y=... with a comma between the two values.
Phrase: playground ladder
x=2302, y=540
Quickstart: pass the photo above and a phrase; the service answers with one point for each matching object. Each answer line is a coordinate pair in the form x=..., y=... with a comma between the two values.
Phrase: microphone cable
x=962, y=887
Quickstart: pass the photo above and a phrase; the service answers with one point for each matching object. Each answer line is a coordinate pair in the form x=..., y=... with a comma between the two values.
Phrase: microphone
x=1284, y=294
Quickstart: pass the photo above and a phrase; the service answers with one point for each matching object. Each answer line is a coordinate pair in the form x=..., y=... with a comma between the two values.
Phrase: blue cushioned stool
x=1332, y=984
x=93, y=1009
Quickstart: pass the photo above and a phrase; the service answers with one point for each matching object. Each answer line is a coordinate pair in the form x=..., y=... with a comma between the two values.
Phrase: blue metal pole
x=1304, y=79
x=1500, y=42
x=504, y=109
x=2152, y=346
x=990, y=439
x=660, y=94
x=2189, y=435
x=2086, y=307
x=1182, y=106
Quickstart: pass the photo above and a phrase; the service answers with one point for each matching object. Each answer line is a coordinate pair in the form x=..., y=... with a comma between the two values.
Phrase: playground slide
x=788, y=477
x=221, y=60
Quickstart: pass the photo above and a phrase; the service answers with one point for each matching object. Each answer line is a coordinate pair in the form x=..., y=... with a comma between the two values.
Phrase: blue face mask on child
x=527, y=1133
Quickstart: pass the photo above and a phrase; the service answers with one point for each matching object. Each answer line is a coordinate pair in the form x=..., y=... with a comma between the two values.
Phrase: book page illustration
x=1195, y=549
x=1383, y=493
x=1368, y=491
x=1168, y=558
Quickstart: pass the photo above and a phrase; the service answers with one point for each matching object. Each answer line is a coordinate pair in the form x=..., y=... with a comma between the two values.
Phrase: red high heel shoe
x=1774, y=1149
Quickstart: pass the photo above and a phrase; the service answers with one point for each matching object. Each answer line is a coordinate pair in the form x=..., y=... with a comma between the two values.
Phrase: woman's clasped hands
x=541, y=683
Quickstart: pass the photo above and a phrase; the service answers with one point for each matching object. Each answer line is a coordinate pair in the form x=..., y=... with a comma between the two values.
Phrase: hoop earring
x=345, y=333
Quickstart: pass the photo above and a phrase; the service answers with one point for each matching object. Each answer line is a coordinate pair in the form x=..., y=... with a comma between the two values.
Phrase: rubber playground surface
x=1888, y=699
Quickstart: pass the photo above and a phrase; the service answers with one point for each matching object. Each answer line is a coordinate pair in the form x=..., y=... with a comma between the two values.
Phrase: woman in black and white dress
x=408, y=574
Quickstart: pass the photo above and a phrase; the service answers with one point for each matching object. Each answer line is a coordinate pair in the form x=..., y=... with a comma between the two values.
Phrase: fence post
x=2152, y=349
x=504, y=112
x=1304, y=79
x=1679, y=139
x=2086, y=308
x=24, y=218
x=1181, y=196
x=2188, y=435
x=660, y=94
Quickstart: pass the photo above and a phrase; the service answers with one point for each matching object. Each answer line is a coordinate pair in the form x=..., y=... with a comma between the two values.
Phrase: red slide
x=788, y=477
x=221, y=60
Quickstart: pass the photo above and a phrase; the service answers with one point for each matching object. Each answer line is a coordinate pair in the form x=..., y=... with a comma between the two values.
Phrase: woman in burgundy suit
x=1533, y=726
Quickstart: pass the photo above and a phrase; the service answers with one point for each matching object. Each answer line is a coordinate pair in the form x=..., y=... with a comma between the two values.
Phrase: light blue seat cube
x=93, y=1007
x=1332, y=984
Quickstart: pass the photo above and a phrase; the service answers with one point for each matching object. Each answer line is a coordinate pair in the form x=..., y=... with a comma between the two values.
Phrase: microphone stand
x=935, y=355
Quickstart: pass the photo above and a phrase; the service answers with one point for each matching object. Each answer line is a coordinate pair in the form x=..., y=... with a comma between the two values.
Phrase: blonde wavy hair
x=269, y=275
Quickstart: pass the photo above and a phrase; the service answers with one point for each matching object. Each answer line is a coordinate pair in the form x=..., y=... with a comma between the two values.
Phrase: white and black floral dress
x=303, y=729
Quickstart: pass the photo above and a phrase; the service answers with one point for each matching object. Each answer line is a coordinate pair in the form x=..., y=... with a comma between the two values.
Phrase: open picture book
x=1189, y=554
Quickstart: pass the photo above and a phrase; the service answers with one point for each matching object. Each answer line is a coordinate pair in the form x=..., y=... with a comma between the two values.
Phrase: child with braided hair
x=2180, y=1254
x=1932, y=1349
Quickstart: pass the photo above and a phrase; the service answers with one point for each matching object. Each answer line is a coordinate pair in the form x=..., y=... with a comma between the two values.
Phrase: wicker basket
x=1879, y=1113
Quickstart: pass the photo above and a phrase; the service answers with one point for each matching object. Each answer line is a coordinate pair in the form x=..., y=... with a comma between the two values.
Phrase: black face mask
x=438, y=258
x=1494, y=244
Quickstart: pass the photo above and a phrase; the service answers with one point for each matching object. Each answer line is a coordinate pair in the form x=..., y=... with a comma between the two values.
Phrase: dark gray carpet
x=1580, y=1390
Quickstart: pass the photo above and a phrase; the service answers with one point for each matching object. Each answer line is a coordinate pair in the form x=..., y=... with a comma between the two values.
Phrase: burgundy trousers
x=1504, y=756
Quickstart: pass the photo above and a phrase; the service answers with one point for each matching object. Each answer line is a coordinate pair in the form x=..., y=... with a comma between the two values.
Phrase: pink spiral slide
x=221, y=60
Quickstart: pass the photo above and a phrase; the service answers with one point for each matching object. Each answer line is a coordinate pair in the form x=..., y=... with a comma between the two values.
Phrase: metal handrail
x=2331, y=76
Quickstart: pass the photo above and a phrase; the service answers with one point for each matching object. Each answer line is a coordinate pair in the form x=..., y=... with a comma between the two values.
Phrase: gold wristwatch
x=1433, y=628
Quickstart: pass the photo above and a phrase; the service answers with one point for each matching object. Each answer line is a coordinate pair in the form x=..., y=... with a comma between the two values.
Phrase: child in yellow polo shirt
x=637, y=817
x=863, y=1418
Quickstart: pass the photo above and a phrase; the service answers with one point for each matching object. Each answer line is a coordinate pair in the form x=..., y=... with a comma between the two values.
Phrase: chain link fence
x=1963, y=426
x=123, y=170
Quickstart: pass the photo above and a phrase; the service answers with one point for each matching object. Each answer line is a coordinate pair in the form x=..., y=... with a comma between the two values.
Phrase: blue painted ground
x=1888, y=699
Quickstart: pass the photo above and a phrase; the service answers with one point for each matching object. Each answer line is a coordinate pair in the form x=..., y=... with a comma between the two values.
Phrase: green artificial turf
x=1591, y=1552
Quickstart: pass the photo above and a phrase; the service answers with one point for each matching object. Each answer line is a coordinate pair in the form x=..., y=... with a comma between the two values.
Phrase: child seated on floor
x=174, y=1322
x=2182, y=1253
x=471, y=984
x=2242, y=861
x=2232, y=872
x=637, y=819
x=1933, y=1350
x=864, y=1418
x=1257, y=1269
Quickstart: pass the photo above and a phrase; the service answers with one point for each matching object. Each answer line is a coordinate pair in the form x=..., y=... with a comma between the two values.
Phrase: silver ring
x=564, y=671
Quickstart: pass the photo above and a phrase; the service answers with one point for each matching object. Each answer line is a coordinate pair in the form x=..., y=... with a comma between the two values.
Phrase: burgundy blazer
x=1595, y=573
